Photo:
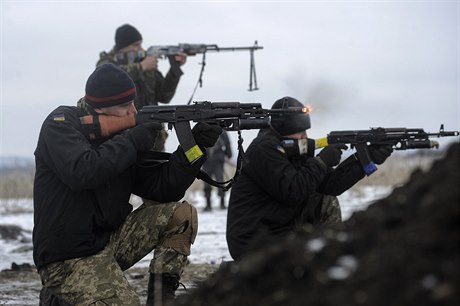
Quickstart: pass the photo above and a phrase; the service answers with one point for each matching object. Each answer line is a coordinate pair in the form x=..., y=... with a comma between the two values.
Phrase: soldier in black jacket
x=86, y=232
x=283, y=185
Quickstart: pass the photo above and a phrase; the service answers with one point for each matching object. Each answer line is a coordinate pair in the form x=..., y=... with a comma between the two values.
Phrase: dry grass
x=398, y=169
x=394, y=172
x=18, y=183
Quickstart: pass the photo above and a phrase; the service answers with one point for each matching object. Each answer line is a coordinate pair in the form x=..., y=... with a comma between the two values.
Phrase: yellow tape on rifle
x=193, y=154
x=321, y=143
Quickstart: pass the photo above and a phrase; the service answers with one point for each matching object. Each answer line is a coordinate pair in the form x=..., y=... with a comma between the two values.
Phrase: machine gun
x=398, y=138
x=170, y=51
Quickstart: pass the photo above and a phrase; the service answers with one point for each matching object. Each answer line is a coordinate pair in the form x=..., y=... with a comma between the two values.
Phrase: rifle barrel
x=218, y=49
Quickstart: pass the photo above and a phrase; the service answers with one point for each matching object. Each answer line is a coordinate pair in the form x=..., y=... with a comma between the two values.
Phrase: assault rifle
x=231, y=116
x=170, y=51
x=398, y=138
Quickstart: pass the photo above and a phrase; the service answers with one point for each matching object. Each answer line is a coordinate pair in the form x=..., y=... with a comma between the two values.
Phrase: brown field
x=18, y=183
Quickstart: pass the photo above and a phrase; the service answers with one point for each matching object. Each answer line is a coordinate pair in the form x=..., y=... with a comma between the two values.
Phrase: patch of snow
x=210, y=245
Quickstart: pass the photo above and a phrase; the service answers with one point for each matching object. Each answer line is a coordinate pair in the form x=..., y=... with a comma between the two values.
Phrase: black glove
x=206, y=135
x=144, y=135
x=379, y=153
x=331, y=154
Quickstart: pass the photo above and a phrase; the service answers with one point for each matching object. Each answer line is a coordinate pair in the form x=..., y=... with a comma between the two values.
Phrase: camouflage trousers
x=321, y=210
x=99, y=279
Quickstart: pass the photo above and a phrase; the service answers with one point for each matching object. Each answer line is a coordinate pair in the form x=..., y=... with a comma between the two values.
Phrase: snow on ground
x=210, y=245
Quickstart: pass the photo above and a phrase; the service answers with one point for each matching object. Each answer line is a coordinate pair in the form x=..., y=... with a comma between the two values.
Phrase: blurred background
x=358, y=64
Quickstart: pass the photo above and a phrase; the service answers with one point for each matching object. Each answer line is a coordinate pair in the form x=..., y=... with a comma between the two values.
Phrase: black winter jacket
x=82, y=188
x=272, y=190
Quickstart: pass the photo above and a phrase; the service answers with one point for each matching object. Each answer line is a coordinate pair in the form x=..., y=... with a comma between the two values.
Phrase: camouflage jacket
x=152, y=87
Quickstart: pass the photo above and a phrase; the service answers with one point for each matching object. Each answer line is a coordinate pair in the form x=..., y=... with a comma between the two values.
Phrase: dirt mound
x=403, y=250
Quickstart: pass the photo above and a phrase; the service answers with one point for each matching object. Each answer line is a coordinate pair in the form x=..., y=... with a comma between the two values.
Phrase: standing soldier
x=152, y=87
x=214, y=167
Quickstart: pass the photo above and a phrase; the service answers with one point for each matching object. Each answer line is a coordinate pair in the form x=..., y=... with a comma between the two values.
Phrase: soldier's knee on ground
x=182, y=229
x=330, y=210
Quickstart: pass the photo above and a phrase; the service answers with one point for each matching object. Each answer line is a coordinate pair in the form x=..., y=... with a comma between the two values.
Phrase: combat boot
x=161, y=289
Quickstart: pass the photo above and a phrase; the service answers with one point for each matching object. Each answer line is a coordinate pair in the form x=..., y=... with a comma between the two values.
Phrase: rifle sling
x=200, y=78
x=155, y=158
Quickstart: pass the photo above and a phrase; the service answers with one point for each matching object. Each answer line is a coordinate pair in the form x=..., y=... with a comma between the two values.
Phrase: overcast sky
x=359, y=64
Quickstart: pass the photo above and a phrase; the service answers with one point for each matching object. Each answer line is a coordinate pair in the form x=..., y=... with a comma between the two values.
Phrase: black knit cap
x=290, y=123
x=126, y=35
x=108, y=86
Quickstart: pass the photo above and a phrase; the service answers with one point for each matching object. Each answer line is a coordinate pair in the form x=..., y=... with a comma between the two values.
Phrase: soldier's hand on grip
x=144, y=135
x=332, y=154
x=149, y=63
x=379, y=153
x=206, y=135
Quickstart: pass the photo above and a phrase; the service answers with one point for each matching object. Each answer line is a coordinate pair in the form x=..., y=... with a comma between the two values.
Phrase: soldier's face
x=136, y=46
x=299, y=135
x=118, y=110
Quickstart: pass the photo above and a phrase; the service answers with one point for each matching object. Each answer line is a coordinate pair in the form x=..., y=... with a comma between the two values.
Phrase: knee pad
x=181, y=229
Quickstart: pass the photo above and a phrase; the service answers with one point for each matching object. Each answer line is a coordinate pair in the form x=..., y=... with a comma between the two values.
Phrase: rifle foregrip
x=421, y=144
x=253, y=124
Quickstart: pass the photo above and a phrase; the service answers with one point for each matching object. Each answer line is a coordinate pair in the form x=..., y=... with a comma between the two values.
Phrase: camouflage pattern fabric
x=99, y=279
x=320, y=210
x=81, y=103
x=133, y=69
x=152, y=88
x=330, y=210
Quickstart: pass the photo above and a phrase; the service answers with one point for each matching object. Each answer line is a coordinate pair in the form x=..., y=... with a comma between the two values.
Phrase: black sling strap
x=155, y=158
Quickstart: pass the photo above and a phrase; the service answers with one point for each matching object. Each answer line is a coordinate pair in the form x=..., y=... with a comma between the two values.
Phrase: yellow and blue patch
x=59, y=117
x=281, y=149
